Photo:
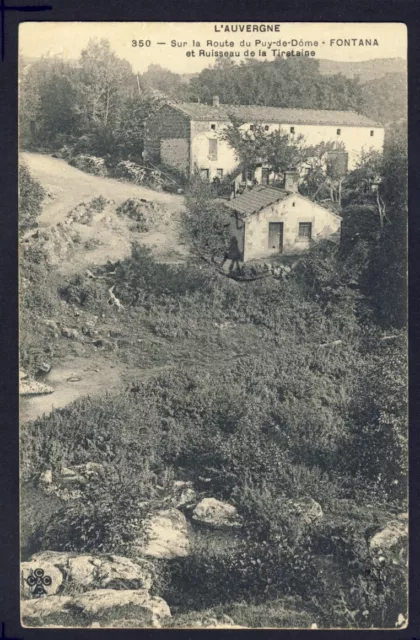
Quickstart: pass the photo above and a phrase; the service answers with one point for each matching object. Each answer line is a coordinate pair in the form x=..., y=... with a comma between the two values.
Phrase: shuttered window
x=212, y=149
x=305, y=230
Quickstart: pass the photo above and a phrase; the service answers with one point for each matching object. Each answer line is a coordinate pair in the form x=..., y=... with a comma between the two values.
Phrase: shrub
x=90, y=164
x=31, y=195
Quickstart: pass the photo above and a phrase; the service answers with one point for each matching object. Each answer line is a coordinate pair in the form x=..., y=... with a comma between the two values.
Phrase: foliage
x=282, y=83
x=90, y=164
x=31, y=196
x=276, y=149
x=205, y=223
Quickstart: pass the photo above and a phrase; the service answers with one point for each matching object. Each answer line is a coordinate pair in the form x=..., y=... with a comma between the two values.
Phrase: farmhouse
x=267, y=221
x=187, y=136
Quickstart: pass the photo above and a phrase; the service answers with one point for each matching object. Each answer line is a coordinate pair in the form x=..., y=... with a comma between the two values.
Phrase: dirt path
x=112, y=236
x=69, y=186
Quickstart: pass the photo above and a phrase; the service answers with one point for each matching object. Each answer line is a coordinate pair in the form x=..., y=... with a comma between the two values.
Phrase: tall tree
x=105, y=81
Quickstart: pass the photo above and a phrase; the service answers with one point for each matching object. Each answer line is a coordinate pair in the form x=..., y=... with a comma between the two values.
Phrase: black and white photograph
x=213, y=356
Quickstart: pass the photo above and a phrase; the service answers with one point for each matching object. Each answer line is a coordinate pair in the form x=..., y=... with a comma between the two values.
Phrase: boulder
x=117, y=572
x=45, y=612
x=217, y=515
x=39, y=578
x=33, y=388
x=164, y=535
x=306, y=509
x=72, y=334
x=46, y=477
x=109, y=605
x=390, y=543
x=88, y=571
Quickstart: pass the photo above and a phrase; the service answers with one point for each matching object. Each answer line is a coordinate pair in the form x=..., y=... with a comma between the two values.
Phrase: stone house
x=187, y=136
x=267, y=221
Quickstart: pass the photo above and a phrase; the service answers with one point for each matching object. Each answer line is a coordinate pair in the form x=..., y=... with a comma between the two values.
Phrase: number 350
x=140, y=43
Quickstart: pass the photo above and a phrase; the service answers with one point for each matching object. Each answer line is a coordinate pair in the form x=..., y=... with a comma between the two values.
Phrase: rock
x=89, y=572
x=216, y=514
x=46, y=477
x=74, y=379
x=306, y=510
x=33, y=388
x=117, y=572
x=46, y=612
x=89, y=469
x=68, y=475
x=73, y=334
x=22, y=375
x=390, y=544
x=44, y=367
x=204, y=621
x=109, y=605
x=184, y=496
x=164, y=535
x=44, y=579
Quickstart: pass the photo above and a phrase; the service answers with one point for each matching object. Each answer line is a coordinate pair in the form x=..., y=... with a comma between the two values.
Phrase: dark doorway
x=275, y=236
x=265, y=175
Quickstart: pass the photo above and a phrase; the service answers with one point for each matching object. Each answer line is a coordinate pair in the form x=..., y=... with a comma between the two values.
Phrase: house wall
x=290, y=211
x=175, y=152
x=166, y=124
x=201, y=132
x=355, y=139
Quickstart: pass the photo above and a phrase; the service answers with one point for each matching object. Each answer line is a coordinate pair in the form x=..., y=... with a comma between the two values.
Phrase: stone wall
x=175, y=152
x=167, y=123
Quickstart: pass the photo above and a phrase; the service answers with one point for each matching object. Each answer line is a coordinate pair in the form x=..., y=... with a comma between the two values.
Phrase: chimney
x=216, y=102
x=291, y=180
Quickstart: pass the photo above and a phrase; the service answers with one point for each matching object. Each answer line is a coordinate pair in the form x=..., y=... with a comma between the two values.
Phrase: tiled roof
x=255, y=199
x=255, y=113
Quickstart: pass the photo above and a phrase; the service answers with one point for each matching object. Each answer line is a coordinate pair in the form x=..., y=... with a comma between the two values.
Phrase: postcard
x=213, y=325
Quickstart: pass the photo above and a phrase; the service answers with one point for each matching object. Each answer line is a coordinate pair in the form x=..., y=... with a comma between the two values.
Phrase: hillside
x=385, y=99
x=367, y=70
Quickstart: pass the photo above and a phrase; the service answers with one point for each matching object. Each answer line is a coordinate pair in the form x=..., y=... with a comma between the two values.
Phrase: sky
x=67, y=39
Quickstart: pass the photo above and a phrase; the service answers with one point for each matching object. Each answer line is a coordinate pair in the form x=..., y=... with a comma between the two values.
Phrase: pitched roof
x=262, y=196
x=256, y=113
x=257, y=198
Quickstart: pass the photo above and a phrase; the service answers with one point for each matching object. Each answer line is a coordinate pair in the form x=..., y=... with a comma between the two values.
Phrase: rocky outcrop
x=108, y=607
x=390, y=544
x=215, y=514
x=40, y=577
x=84, y=572
x=29, y=387
x=45, y=612
x=164, y=535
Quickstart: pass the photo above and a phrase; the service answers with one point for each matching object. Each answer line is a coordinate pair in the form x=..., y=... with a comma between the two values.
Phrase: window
x=266, y=127
x=213, y=126
x=219, y=173
x=372, y=133
x=212, y=149
x=305, y=230
x=292, y=129
x=339, y=132
x=204, y=175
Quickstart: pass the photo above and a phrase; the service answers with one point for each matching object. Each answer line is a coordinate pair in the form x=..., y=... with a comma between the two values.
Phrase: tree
x=320, y=178
x=166, y=81
x=105, y=81
x=31, y=195
x=205, y=223
x=276, y=149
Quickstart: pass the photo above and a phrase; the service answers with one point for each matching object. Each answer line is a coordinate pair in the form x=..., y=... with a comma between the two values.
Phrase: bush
x=31, y=195
x=90, y=164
